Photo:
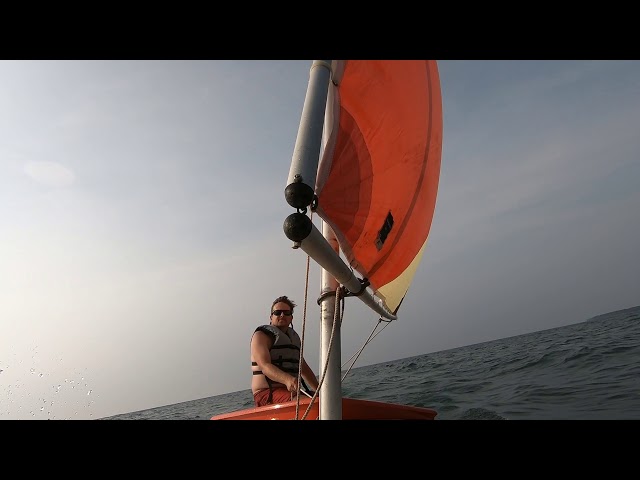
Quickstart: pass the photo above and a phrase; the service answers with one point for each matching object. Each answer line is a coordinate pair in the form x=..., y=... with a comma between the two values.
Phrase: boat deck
x=352, y=409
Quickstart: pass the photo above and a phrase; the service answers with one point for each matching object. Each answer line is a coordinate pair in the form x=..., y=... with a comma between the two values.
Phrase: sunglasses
x=277, y=313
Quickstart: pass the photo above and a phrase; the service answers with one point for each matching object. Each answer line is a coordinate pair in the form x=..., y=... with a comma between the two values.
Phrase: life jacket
x=284, y=351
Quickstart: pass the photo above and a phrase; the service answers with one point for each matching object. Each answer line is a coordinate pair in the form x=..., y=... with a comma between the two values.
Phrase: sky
x=141, y=212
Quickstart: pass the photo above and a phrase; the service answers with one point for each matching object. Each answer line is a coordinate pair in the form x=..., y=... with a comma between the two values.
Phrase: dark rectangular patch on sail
x=384, y=231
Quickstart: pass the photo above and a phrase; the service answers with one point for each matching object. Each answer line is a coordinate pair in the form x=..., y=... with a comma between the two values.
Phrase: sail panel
x=378, y=177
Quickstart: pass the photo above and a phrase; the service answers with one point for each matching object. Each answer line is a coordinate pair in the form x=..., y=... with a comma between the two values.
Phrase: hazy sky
x=141, y=212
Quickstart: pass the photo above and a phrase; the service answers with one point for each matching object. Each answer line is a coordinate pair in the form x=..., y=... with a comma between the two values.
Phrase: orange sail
x=378, y=177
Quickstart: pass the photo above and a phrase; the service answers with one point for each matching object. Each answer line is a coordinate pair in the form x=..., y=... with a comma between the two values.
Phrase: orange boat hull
x=352, y=409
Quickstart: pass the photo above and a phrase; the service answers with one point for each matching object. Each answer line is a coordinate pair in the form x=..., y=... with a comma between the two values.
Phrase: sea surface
x=585, y=371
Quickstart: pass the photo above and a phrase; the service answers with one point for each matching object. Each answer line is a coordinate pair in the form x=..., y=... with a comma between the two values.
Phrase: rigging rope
x=339, y=308
x=304, y=321
x=339, y=296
